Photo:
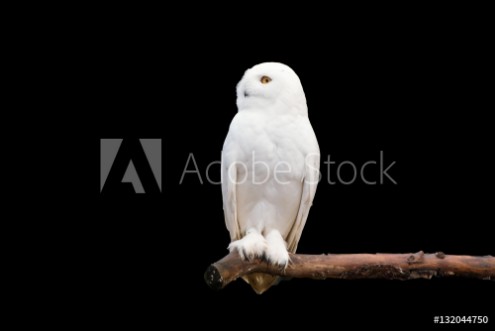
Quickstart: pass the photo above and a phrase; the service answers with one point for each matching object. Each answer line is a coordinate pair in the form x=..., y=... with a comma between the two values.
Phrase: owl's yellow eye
x=265, y=80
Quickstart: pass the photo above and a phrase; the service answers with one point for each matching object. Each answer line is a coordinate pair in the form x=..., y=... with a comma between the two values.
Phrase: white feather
x=266, y=210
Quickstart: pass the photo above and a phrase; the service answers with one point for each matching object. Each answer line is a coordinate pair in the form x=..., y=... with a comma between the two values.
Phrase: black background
x=413, y=89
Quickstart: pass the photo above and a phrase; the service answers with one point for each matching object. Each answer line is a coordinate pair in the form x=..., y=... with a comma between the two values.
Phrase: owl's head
x=271, y=86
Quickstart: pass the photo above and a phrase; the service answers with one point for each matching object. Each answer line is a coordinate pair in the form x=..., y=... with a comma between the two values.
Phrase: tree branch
x=356, y=266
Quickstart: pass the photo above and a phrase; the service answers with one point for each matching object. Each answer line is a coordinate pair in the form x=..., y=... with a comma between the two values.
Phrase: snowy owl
x=270, y=168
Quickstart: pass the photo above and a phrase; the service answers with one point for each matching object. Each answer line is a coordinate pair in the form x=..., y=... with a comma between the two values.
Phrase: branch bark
x=356, y=266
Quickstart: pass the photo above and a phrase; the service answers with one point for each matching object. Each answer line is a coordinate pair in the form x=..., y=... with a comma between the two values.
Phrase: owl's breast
x=268, y=146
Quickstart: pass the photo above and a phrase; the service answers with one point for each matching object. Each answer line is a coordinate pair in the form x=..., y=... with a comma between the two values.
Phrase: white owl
x=270, y=168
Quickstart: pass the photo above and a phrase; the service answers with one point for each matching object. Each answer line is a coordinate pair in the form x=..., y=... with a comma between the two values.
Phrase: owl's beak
x=246, y=94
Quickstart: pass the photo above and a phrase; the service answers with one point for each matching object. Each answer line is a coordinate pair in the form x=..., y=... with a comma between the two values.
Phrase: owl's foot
x=276, y=252
x=252, y=245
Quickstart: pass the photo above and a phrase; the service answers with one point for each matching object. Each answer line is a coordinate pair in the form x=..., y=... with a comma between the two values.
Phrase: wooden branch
x=356, y=266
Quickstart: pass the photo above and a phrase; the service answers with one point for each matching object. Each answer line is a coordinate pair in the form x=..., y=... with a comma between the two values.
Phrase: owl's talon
x=250, y=247
x=277, y=250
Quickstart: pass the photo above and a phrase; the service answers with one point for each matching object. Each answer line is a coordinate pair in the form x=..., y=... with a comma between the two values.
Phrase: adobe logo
x=130, y=166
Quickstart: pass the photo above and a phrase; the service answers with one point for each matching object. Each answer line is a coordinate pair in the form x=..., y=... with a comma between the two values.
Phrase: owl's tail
x=261, y=282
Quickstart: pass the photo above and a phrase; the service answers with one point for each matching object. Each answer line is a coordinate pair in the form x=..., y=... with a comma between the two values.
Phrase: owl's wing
x=309, y=183
x=229, y=194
